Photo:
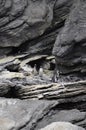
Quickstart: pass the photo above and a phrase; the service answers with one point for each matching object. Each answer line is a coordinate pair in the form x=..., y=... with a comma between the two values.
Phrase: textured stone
x=20, y=18
x=31, y=26
x=16, y=114
x=28, y=30
x=6, y=124
x=28, y=114
x=69, y=48
x=61, y=126
x=61, y=11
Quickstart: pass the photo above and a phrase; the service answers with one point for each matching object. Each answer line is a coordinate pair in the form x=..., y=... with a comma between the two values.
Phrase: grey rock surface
x=31, y=26
x=27, y=114
x=61, y=126
x=16, y=114
x=69, y=48
x=28, y=31
x=19, y=19
x=61, y=11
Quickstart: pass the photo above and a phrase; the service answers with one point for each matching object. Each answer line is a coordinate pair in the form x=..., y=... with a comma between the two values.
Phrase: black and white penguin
x=41, y=72
x=35, y=70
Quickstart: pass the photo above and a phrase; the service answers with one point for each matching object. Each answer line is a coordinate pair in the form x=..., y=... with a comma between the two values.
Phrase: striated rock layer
x=28, y=31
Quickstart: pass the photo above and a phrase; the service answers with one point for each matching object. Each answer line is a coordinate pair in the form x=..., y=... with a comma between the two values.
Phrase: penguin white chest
x=41, y=72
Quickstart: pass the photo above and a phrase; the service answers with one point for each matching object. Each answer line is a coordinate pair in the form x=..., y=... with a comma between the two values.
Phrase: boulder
x=70, y=47
x=29, y=115
x=62, y=126
x=17, y=114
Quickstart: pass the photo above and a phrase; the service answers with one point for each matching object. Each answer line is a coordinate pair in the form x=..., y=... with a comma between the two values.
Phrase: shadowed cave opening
x=38, y=63
x=12, y=93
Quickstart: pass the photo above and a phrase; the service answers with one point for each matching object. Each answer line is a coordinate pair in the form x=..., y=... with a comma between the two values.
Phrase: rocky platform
x=31, y=102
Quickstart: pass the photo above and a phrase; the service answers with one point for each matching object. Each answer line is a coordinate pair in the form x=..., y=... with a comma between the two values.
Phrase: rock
x=16, y=114
x=10, y=75
x=28, y=114
x=28, y=31
x=26, y=70
x=6, y=124
x=12, y=63
x=19, y=19
x=62, y=126
x=41, y=45
x=4, y=87
x=30, y=86
x=7, y=60
x=14, y=66
x=37, y=114
x=53, y=91
x=61, y=11
x=69, y=47
x=74, y=116
x=5, y=50
x=32, y=59
x=46, y=66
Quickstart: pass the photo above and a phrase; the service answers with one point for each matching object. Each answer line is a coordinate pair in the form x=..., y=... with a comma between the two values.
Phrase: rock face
x=19, y=19
x=17, y=114
x=28, y=31
x=70, y=48
x=31, y=26
x=28, y=115
x=61, y=126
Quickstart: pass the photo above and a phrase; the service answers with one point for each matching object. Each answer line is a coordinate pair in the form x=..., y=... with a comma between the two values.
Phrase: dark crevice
x=71, y=105
x=12, y=93
x=11, y=69
x=38, y=63
x=52, y=66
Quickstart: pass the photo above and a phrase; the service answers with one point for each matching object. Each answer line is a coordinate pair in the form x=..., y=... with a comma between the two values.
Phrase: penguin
x=41, y=72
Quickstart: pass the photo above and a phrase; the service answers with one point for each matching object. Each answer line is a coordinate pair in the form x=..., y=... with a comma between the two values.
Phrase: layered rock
x=31, y=26
x=69, y=48
x=24, y=20
x=20, y=18
x=28, y=30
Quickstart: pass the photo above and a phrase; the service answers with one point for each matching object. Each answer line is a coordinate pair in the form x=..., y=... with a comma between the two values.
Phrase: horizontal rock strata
x=37, y=88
